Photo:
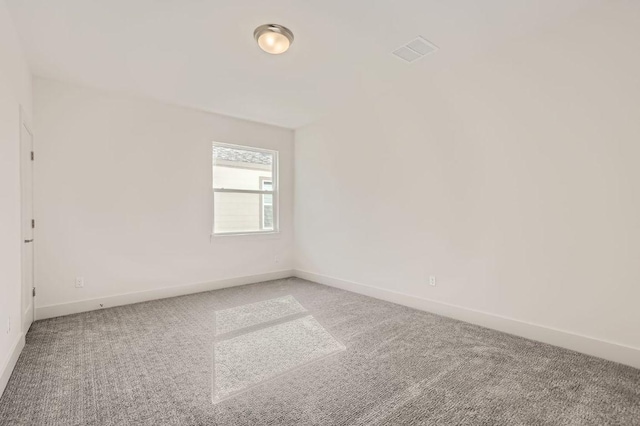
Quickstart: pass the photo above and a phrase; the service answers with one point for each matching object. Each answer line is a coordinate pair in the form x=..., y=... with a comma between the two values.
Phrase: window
x=245, y=189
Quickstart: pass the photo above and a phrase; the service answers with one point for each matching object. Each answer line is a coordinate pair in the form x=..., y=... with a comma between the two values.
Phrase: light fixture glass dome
x=273, y=38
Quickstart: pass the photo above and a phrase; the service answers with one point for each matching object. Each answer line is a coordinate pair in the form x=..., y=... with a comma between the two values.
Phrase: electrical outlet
x=432, y=281
x=79, y=282
x=277, y=259
x=8, y=325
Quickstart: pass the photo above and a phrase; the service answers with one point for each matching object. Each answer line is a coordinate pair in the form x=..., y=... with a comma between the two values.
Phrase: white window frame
x=274, y=192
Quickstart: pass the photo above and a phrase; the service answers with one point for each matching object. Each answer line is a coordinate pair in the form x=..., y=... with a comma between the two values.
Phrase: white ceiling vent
x=415, y=49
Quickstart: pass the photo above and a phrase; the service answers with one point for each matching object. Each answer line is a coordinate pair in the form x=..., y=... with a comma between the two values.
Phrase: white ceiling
x=201, y=53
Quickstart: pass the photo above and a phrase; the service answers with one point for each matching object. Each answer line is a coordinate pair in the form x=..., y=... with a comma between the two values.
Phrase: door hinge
x=33, y=223
x=32, y=156
x=34, y=292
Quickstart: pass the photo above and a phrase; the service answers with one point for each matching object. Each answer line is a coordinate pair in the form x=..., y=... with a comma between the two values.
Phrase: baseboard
x=7, y=369
x=27, y=319
x=599, y=348
x=62, y=309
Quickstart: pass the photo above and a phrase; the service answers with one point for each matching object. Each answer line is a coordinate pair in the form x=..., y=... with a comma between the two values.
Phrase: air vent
x=415, y=49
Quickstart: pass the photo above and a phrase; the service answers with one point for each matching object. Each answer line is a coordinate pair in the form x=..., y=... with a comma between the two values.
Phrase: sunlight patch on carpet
x=244, y=316
x=245, y=361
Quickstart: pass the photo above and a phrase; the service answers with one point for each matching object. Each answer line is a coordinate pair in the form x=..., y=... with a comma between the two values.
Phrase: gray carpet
x=151, y=364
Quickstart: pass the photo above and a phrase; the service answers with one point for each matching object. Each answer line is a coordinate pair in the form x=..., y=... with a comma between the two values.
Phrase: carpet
x=239, y=317
x=152, y=364
x=253, y=358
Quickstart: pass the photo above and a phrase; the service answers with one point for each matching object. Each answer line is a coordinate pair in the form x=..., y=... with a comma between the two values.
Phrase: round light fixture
x=273, y=38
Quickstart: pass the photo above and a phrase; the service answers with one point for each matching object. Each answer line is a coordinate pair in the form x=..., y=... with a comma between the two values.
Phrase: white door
x=26, y=179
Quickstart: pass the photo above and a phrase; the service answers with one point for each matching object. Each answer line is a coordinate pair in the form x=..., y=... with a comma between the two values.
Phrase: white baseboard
x=27, y=319
x=588, y=345
x=8, y=367
x=52, y=311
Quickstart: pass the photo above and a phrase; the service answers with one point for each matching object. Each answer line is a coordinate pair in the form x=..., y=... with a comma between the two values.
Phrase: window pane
x=267, y=219
x=240, y=213
x=267, y=206
x=267, y=212
x=241, y=169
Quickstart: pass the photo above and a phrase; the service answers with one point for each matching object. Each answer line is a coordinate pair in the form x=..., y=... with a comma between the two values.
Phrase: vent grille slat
x=407, y=54
x=415, y=49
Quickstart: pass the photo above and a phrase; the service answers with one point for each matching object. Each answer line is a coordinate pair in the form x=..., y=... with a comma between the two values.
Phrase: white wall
x=124, y=199
x=514, y=179
x=15, y=90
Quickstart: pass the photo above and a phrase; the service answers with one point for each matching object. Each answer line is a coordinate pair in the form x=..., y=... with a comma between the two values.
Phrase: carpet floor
x=152, y=364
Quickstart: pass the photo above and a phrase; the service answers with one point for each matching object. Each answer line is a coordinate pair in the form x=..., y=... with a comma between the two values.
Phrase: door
x=26, y=183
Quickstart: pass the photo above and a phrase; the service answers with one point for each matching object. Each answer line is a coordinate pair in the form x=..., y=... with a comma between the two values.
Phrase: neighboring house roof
x=240, y=155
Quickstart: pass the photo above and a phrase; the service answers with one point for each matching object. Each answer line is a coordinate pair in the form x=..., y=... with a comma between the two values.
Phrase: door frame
x=27, y=317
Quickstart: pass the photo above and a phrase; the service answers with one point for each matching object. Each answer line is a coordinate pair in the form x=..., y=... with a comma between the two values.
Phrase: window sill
x=244, y=236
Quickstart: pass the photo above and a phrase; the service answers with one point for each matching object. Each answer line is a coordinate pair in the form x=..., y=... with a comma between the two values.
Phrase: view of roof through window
x=242, y=156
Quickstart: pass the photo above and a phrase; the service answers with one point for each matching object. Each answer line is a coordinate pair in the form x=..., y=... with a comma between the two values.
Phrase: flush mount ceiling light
x=273, y=38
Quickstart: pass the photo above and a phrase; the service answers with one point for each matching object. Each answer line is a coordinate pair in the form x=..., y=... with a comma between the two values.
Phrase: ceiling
x=201, y=53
